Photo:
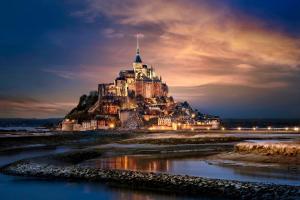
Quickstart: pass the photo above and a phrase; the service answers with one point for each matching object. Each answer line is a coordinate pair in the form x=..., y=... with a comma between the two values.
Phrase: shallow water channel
x=32, y=188
x=199, y=166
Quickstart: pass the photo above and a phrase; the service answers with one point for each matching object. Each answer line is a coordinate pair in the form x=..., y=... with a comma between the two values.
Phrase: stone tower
x=137, y=64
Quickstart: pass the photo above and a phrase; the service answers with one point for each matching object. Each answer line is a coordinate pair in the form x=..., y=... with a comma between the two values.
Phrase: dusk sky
x=231, y=58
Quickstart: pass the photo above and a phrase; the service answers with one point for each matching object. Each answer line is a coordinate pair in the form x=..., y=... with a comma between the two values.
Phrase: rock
x=172, y=183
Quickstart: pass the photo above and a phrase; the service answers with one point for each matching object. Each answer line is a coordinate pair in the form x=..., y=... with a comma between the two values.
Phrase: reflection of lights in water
x=228, y=170
x=134, y=163
x=125, y=162
x=167, y=165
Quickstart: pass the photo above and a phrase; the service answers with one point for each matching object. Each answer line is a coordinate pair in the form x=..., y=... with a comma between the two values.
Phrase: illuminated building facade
x=141, y=81
x=137, y=98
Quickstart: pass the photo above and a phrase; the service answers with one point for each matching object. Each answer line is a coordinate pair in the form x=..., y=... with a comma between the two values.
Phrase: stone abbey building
x=137, y=98
x=139, y=81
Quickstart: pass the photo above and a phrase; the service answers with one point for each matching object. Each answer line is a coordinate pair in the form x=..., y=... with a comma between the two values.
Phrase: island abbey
x=140, y=81
x=138, y=98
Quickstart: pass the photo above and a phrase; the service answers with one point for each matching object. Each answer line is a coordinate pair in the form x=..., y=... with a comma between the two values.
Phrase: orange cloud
x=208, y=44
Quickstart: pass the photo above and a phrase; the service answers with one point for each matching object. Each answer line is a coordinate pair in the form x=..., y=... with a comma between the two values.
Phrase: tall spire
x=138, y=57
x=137, y=44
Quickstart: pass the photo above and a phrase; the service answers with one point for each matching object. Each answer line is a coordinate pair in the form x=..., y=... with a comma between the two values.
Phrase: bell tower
x=137, y=64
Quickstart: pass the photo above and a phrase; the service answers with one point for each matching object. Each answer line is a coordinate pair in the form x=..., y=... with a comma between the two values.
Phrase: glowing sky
x=232, y=58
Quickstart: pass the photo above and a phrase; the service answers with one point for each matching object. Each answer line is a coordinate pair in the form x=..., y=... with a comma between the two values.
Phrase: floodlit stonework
x=137, y=98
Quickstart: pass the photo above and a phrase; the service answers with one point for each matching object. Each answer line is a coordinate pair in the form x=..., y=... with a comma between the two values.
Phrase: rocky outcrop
x=158, y=181
x=80, y=112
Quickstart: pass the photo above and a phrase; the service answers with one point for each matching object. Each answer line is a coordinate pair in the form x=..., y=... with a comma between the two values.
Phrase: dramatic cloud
x=111, y=33
x=28, y=107
x=229, y=58
x=92, y=74
x=207, y=43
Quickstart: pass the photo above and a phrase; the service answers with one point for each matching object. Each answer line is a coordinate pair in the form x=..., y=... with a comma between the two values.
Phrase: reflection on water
x=34, y=189
x=270, y=141
x=242, y=171
x=24, y=188
x=139, y=162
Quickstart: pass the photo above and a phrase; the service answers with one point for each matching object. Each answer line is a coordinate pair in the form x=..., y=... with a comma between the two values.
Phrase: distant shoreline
x=228, y=123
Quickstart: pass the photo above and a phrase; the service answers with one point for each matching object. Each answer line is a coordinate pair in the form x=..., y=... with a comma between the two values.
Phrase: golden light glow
x=200, y=34
x=152, y=128
x=269, y=128
x=111, y=125
x=239, y=128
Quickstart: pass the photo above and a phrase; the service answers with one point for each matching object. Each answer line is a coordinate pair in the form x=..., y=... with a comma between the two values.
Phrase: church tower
x=137, y=64
x=138, y=57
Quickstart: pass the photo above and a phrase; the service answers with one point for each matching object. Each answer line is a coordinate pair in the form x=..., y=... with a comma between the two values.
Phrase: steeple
x=137, y=45
x=137, y=57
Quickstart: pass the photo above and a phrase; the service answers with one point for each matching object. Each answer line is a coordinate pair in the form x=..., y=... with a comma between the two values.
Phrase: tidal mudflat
x=197, y=163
